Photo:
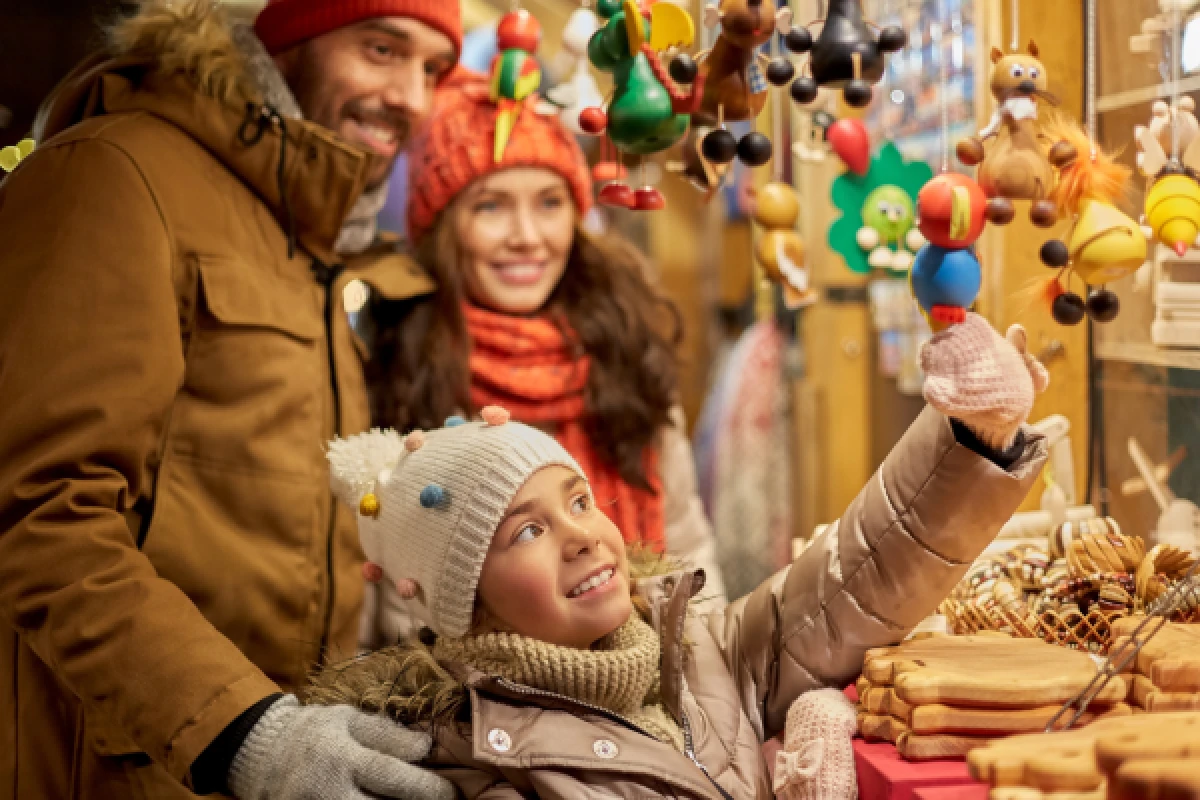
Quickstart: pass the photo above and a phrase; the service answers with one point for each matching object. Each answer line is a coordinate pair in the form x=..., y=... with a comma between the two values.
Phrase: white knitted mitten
x=817, y=759
x=982, y=379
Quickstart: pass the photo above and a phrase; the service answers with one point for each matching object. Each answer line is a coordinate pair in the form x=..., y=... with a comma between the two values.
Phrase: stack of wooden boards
x=1166, y=675
x=1143, y=756
x=942, y=696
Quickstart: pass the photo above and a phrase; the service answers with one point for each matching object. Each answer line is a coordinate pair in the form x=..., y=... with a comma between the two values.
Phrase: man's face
x=371, y=82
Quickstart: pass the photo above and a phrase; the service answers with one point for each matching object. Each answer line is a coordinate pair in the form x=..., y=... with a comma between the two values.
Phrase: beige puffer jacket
x=729, y=677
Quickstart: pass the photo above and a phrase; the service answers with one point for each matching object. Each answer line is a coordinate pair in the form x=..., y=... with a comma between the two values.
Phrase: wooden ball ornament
x=372, y=572
x=950, y=211
x=407, y=588
x=369, y=505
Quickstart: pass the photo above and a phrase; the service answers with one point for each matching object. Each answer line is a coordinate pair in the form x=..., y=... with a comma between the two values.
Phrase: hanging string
x=1015, y=5
x=884, y=84
x=1090, y=76
x=944, y=84
x=778, y=109
x=1176, y=58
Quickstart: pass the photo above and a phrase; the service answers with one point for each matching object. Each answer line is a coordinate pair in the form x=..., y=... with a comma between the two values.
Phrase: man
x=173, y=357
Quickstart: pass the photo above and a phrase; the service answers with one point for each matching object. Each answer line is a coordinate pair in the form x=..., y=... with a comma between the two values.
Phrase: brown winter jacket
x=170, y=552
x=729, y=677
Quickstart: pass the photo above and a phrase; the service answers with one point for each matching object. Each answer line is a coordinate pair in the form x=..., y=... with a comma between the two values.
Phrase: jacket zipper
x=688, y=749
x=327, y=276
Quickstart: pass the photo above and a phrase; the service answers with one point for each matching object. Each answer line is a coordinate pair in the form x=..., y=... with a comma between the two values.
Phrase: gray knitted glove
x=299, y=752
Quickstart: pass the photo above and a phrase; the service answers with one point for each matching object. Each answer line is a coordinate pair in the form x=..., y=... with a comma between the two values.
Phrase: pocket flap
x=108, y=739
x=238, y=294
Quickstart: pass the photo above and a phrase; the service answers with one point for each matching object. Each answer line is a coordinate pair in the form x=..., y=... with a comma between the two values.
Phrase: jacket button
x=500, y=741
x=605, y=749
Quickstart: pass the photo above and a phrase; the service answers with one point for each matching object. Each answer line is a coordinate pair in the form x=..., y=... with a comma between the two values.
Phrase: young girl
x=559, y=326
x=557, y=667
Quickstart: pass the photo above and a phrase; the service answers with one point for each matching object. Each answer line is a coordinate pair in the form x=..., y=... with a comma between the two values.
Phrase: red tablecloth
x=884, y=775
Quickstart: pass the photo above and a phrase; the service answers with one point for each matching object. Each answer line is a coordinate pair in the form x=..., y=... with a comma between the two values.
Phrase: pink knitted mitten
x=817, y=759
x=985, y=381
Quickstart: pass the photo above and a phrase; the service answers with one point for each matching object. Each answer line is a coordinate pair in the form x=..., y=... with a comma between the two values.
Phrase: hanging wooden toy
x=846, y=55
x=578, y=91
x=736, y=85
x=876, y=228
x=647, y=113
x=14, y=154
x=780, y=249
x=946, y=275
x=1103, y=243
x=515, y=73
x=1156, y=141
x=1017, y=165
x=1172, y=207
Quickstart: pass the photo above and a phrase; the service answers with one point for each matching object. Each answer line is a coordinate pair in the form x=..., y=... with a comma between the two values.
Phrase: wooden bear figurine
x=1017, y=165
x=780, y=249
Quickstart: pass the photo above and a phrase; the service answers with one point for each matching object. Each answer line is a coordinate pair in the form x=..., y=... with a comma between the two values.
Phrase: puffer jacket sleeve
x=897, y=551
x=689, y=534
x=90, y=362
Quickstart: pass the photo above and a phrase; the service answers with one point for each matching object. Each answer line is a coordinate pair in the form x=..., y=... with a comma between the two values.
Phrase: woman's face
x=556, y=569
x=515, y=229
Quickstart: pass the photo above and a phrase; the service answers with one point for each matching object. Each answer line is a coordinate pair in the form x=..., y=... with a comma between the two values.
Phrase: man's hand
x=299, y=752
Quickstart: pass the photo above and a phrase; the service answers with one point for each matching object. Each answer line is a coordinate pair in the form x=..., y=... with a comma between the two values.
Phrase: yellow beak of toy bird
x=1105, y=244
x=1173, y=211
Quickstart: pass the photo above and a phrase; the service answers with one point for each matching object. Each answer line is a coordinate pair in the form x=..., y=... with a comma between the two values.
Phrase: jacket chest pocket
x=257, y=385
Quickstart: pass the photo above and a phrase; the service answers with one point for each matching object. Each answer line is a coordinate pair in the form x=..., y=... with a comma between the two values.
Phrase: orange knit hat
x=285, y=23
x=455, y=149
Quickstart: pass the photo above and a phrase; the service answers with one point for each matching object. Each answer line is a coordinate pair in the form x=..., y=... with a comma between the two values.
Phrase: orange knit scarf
x=526, y=365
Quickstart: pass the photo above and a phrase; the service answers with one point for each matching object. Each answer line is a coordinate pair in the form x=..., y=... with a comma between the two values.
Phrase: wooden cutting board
x=1058, y=762
x=1148, y=696
x=1171, y=659
x=880, y=728
x=985, y=671
x=1025, y=793
x=939, y=718
x=1173, y=736
x=1157, y=779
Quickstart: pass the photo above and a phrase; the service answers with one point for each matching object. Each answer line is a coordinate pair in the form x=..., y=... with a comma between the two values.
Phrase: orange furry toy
x=1103, y=243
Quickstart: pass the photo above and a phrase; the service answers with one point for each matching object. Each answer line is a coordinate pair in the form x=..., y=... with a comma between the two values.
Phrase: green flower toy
x=877, y=228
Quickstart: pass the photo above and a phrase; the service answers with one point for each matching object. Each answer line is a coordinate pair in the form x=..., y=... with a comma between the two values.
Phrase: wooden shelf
x=1139, y=353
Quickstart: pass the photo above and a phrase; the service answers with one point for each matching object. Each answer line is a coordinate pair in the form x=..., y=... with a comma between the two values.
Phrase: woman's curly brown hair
x=419, y=373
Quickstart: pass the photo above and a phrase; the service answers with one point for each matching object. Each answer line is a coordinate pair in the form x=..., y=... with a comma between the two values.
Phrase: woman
x=535, y=314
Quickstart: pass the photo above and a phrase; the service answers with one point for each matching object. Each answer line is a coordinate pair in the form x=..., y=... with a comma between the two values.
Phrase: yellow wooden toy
x=780, y=249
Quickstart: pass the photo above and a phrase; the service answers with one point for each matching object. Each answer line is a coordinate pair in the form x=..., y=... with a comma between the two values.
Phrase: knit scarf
x=528, y=366
x=623, y=677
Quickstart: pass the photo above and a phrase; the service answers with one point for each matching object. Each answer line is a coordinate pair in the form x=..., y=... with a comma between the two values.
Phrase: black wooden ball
x=798, y=40
x=719, y=146
x=892, y=38
x=1103, y=305
x=754, y=149
x=804, y=90
x=780, y=71
x=1054, y=254
x=683, y=68
x=1068, y=309
x=857, y=94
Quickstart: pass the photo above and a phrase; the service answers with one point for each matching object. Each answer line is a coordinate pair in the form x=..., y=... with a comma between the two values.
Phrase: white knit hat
x=429, y=503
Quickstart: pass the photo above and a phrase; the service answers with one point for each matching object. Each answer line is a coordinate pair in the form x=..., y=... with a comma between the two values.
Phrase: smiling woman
x=534, y=314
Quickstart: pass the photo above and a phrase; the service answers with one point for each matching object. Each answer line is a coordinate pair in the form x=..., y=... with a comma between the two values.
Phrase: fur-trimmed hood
x=407, y=682
x=187, y=62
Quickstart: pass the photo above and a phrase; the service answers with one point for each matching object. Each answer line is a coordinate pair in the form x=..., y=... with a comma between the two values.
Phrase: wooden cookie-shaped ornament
x=1149, y=697
x=1171, y=660
x=1157, y=779
x=1104, y=553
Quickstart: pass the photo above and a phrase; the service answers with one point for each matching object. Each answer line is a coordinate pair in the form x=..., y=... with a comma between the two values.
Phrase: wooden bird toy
x=847, y=54
x=515, y=74
x=1155, y=141
x=648, y=113
x=14, y=154
x=780, y=249
x=1103, y=243
x=1019, y=165
x=735, y=82
x=1172, y=207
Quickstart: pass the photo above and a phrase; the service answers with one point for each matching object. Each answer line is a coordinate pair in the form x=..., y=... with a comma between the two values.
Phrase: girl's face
x=556, y=569
x=515, y=229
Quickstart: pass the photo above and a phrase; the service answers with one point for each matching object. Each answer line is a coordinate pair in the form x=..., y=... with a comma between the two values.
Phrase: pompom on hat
x=286, y=23
x=457, y=147
x=430, y=502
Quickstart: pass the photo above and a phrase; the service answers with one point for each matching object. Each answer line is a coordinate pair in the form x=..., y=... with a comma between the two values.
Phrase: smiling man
x=174, y=355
